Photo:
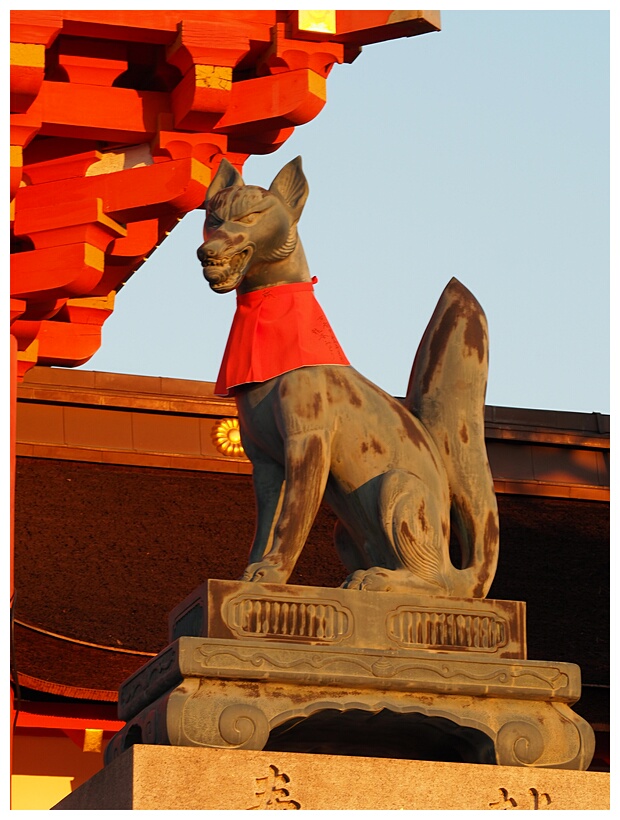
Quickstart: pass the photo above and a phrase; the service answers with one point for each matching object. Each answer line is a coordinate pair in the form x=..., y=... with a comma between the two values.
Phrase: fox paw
x=375, y=579
x=379, y=579
x=263, y=572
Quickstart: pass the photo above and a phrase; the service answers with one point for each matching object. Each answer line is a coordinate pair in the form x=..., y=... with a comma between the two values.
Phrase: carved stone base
x=344, y=617
x=175, y=778
x=287, y=670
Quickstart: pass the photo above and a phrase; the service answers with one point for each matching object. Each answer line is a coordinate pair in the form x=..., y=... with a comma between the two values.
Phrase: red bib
x=275, y=330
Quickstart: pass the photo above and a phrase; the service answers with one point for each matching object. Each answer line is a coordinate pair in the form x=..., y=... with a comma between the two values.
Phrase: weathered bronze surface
x=399, y=477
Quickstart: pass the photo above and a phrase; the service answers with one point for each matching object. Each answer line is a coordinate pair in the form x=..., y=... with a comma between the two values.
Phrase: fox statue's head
x=250, y=234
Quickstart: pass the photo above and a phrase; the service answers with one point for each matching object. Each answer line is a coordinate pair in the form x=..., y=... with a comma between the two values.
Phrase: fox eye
x=248, y=219
x=212, y=220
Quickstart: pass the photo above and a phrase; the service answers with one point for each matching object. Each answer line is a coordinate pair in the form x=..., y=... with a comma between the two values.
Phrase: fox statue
x=400, y=476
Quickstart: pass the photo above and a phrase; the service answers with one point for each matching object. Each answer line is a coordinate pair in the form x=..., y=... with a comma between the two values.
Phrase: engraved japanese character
x=505, y=803
x=541, y=799
x=272, y=793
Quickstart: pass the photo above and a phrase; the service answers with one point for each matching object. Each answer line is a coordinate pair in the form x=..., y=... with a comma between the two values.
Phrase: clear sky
x=481, y=152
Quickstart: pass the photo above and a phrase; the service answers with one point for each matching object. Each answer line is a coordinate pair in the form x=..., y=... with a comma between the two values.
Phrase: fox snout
x=212, y=249
x=204, y=253
x=223, y=265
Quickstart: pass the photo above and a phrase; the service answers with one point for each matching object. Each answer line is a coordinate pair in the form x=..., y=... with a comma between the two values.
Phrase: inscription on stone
x=533, y=801
x=272, y=793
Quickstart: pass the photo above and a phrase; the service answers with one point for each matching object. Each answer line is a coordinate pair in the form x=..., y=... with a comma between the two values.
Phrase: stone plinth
x=303, y=669
x=174, y=778
x=346, y=618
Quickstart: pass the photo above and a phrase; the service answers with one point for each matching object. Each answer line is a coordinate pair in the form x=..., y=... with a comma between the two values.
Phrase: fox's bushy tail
x=446, y=391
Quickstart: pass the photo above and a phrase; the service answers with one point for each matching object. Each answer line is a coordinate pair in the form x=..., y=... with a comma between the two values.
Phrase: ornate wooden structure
x=117, y=119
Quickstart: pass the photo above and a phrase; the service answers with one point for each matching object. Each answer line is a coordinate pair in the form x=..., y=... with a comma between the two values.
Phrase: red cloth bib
x=275, y=330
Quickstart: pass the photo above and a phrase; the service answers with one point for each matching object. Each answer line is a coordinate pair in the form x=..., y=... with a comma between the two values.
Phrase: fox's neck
x=293, y=268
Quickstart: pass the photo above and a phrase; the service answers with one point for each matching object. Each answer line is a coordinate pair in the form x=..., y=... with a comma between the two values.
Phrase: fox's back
x=369, y=431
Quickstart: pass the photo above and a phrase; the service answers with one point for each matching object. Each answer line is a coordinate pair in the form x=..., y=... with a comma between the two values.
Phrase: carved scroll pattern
x=411, y=627
x=438, y=674
x=519, y=743
x=244, y=726
x=322, y=621
x=149, y=682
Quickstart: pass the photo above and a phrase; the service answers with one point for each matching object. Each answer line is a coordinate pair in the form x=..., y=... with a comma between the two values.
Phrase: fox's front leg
x=307, y=462
x=268, y=479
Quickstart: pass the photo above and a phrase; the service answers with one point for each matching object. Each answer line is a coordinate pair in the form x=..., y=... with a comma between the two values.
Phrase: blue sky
x=481, y=152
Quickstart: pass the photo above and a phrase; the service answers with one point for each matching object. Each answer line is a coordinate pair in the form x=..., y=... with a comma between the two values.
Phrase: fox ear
x=292, y=186
x=226, y=177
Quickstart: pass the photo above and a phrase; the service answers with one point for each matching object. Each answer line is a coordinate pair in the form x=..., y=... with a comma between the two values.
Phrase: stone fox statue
x=398, y=475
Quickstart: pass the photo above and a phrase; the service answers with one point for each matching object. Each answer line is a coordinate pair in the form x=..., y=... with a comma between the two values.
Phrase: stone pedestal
x=283, y=668
x=175, y=778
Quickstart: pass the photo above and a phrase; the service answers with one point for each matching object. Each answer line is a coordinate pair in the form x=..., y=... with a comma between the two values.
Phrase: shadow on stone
x=133, y=736
x=383, y=734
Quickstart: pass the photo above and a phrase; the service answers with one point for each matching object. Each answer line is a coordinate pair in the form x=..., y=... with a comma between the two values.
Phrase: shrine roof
x=173, y=423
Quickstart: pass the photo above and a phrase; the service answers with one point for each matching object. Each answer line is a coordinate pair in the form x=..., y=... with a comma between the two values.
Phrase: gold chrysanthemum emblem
x=227, y=438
